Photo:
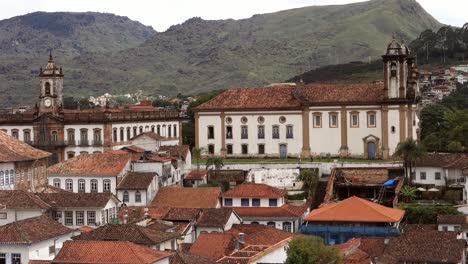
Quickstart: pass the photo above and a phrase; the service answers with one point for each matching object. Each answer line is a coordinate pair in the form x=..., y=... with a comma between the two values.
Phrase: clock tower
x=51, y=88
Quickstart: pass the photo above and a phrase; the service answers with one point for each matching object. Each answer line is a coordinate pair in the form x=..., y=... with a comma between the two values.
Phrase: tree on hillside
x=310, y=180
x=409, y=151
x=197, y=153
x=161, y=103
x=311, y=250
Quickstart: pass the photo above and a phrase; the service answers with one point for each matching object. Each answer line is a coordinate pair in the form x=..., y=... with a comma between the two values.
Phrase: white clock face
x=47, y=102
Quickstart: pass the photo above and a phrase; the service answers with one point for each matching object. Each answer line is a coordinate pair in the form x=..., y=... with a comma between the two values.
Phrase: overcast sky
x=160, y=14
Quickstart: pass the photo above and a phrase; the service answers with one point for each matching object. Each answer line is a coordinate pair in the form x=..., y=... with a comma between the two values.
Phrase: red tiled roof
x=183, y=258
x=285, y=211
x=176, y=151
x=107, y=252
x=249, y=189
x=40, y=261
x=196, y=175
x=136, y=181
x=17, y=199
x=150, y=135
x=15, y=150
x=76, y=200
x=184, y=197
x=355, y=209
x=444, y=160
x=292, y=96
x=31, y=230
x=182, y=214
x=213, y=245
x=92, y=164
x=134, y=149
x=214, y=217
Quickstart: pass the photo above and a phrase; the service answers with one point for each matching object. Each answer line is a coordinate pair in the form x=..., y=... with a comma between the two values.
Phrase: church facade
x=310, y=120
x=67, y=133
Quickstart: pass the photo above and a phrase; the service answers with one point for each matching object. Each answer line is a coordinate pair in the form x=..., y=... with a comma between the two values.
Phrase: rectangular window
x=273, y=202
x=261, y=132
x=244, y=132
x=107, y=185
x=52, y=250
x=229, y=132
x=114, y=135
x=79, y=218
x=261, y=149
x=211, y=149
x=57, y=183
x=244, y=202
x=276, y=132
x=15, y=133
x=71, y=137
x=317, y=120
x=84, y=137
x=15, y=258
x=94, y=185
x=354, y=119
x=227, y=202
x=333, y=120
x=129, y=136
x=256, y=202
x=91, y=217
x=437, y=176
x=69, y=185
x=27, y=136
x=289, y=132
x=68, y=218
x=81, y=185
x=245, y=149
x=422, y=175
x=371, y=121
x=210, y=132
x=58, y=216
x=229, y=149
x=3, y=215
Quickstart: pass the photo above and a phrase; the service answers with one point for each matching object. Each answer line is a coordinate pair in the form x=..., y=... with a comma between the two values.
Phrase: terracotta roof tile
x=362, y=175
x=76, y=200
x=150, y=135
x=133, y=149
x=329, y=94
x=184, y=197
x=15, y=150
x=183, y=258
x=355, y=209
x=92, y=164
x=214, y=245
x=32, y=230
x=136, y=181
x=150, y=235
x=249, y=189
x=196, y=175
x=176, y=151
x=444, y=160
x=17, y=199
x=214, y=217
x=182, y=214
x=285, y=211
x=452, y=219
x=40, y=261
x=107, y=252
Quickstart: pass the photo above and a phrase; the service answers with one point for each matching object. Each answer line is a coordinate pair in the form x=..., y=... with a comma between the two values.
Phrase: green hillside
x=201, y=55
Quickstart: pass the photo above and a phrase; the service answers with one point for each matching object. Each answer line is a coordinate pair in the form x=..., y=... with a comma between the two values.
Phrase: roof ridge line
x=375, y=209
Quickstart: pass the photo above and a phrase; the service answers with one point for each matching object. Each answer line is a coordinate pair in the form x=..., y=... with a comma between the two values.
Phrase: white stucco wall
x=131, y=195
x=13, y=215
x=430, y=175
x=278, y=255
x=279, y=178
x=76, y=178
x=264, y=202
x=20, y=128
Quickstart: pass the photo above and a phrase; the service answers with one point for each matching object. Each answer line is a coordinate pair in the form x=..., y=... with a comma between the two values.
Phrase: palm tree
x=216, y=162
x=409, y=151
x=197, y=153
x=408, y=192
x=310, y=180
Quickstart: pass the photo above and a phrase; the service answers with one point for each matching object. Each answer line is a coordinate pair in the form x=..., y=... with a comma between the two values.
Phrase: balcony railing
x=340, y=234
x=456, y=181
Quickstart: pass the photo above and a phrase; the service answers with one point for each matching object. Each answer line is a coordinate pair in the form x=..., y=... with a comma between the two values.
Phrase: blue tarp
x=389, y=183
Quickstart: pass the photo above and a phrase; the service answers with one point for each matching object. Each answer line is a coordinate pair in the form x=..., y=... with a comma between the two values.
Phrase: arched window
x=146, y=128
x=94, y=185
x=122, y=138
x=47, y=88
x=271, y=224
x=107, y=185
x=128, y=134
x=15, y=133
x=141, y=130
x=2, y=178
x=169, y=131
x=137, y=197
x=81, y=185
x=7, y=177
x=152, y=128
x=287, y=226
x=254, y=223
x=115, y=135
x=57, y=183
x=158, y=130
x=125, y=198
x=54, y=136
x=175, y=130
x=69, y=185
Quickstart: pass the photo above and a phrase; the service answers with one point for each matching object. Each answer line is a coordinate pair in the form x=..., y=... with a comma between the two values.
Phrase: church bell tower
x=51, y=88
x=396, y=70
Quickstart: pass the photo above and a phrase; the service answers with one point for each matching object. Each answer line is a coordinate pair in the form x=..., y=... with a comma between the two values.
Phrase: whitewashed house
x=266, y=205
x=138, y=188
x=75, y=210
x=153, y=141
x=306, y=120
x=216, y=220
x=18, y=205
x=37, y=238
x=90, y=173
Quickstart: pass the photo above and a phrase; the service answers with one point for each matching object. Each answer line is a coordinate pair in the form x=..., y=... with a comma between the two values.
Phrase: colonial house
x=181, y=154
x=262, y=204
x=152, y=140
x=216, y=220
x=37, y=238
x=185, y=197
x=158, y=235
x=21, y=166
x=196, y=178
x=252, y=244
x=454, y=223
x=137, y=188
x=18, y=205
x=76, y=210
x=184, y=219
x=97, y=252
x=90, y=173
x=67, y=133
x=442, y=169
x=304, y=120
x=353, y=217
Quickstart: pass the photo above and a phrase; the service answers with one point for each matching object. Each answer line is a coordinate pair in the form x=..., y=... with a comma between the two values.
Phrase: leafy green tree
x=310, y=180
x=427, y=214
x=408, y=193
x=409, y=151
x=70, y=103
x=311, y=250
x=197, y=153
x=161, y=103
x=214, y=162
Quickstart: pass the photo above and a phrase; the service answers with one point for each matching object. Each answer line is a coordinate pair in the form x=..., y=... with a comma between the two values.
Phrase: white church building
x=304, y=120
